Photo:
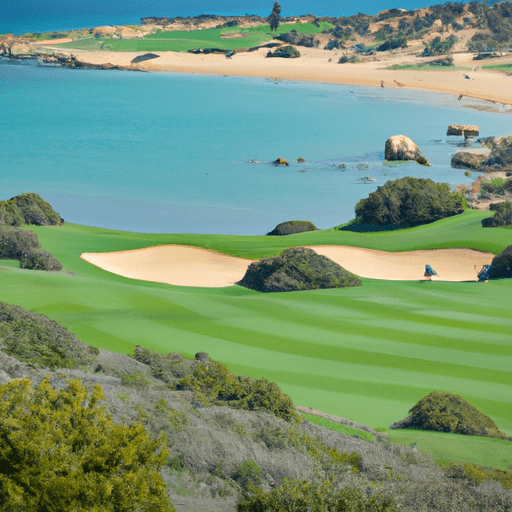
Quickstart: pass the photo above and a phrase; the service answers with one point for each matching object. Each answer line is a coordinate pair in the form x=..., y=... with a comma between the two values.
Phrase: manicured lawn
x=182, y=41
x=367, y=353
x=447, y=448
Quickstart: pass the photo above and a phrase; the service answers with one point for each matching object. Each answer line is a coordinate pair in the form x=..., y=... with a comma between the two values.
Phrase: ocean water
x=163, y=152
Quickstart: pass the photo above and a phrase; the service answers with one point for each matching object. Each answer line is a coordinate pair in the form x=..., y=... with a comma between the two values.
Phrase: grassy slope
x=366, y=353
x=181, y=41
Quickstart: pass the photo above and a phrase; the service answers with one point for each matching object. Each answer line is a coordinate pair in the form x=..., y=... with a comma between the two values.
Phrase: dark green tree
x=60, y=451
x=273, y=19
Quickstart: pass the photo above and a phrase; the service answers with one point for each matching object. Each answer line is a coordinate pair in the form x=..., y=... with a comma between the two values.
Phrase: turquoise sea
x=162, y=152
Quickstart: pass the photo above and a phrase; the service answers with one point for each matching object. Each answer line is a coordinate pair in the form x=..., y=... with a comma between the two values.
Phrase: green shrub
x=37, y=340
x=58, y=454
x=494, y=185
x=315, y=497
x=288, y=52
x=445, y=412
x=291, y=227
x=407, y=202
x=28, y=209
x=248, y=474
x=352, y=59
x=297, y=268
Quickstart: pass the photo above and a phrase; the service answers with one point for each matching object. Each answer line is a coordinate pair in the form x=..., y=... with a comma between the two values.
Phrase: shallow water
x=166, y=152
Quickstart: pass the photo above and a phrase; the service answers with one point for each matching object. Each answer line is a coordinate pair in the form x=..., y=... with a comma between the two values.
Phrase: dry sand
x=193, y=266
x=314, y=66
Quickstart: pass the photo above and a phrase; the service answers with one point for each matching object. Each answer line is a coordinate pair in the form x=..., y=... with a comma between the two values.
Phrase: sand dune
x=193, y=266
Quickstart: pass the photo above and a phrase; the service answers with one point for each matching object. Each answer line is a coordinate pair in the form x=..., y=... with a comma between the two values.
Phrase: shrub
x=288, y=52
x=502, y=215
x=248, y=474
x=37, y=340
x=297, y=268
x=438, y=47
x=352, y=59
x=28, y=209
x=291, y=227
x=407, y=202
x=494, y=185
x=315, y=497
x=502, y=264
x=444, y=412
x=58, y=454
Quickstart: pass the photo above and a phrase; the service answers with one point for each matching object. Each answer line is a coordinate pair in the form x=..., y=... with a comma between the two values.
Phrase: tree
x=273, y=19
x=60, y=452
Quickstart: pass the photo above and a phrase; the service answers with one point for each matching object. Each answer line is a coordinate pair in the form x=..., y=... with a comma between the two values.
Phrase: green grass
x=503, y=67
x=367, y=353
x=10, y=263
x=446, y=448
x=182, y=41
x=337, y=427
x=426, y=67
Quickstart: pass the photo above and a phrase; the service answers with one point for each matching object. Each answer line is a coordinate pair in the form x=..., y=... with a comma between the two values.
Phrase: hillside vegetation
x=219, y=456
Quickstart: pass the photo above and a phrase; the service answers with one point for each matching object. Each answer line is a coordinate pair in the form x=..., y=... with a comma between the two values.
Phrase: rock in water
x=297, y=268
x=400, y=147
x=444, y=412
x=463, y=130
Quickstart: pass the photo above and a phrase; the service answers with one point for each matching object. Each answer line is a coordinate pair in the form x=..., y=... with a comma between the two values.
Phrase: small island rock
x=281, y=161
x=400, y=147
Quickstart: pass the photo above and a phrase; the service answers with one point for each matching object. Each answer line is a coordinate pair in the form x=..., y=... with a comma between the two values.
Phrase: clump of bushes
x=291, y=227
x=393, y=44
x=213, y=384
x=502, y=215
x=28, y=209
x=445, y=412
x=287, y=52
x=59, y=450
x=407, y=202
x=297, y=268
x=41, y=342
x=302, y=495
x=352, y=59
x=502, y=264
x=438, y=47
x=293, y=37
x=24, y=246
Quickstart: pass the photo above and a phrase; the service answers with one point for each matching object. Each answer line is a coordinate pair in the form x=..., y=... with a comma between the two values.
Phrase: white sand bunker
x=450, y=264
x=184, y=265
x=181, y=265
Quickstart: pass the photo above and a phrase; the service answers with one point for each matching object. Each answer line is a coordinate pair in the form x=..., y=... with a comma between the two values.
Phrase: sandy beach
x=314, y=66
x=193, y=266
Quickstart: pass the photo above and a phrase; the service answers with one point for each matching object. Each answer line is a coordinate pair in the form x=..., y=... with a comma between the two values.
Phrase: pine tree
x=273, y=19
x=60, y=451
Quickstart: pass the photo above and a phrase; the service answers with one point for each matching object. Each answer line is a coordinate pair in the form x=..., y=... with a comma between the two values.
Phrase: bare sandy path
x=193, y=266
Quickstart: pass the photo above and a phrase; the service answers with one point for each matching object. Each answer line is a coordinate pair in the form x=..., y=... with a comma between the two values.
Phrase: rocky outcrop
x=281, y=161
x=467, y=160
x=444, y=412
x=498, y=159
x=291, y=227
x=463, y=130
x=297, y=268
x=400, y=147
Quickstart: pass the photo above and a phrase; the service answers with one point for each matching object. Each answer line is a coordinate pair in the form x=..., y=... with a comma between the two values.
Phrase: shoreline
x=313, y=66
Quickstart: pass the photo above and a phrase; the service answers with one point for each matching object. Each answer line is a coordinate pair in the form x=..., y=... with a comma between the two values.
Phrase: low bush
x=352, y=59
x=445, y=412
x=502, y=264
x=37, y=340
x=291, y=227
x=502, y=215
x=439, y=47
x=297, y=268
x=28, y=209
x=287, y=52
x=315, y=497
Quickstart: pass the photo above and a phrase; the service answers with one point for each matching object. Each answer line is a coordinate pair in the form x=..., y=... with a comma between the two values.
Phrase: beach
x=314, y=66
x=194, y=266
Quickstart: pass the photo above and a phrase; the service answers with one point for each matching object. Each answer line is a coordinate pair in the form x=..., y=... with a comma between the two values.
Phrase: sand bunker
x=183, y=265
x=450, y=264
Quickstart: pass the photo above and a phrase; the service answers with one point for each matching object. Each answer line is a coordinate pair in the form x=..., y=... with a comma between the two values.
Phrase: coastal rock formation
x=463, y=130
x=498, y=159
x=502, y=264
x=444, y=412
x=400, y=147
x=281, y=161
x=467, y=160
x=297, y=268
x=291, y=227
